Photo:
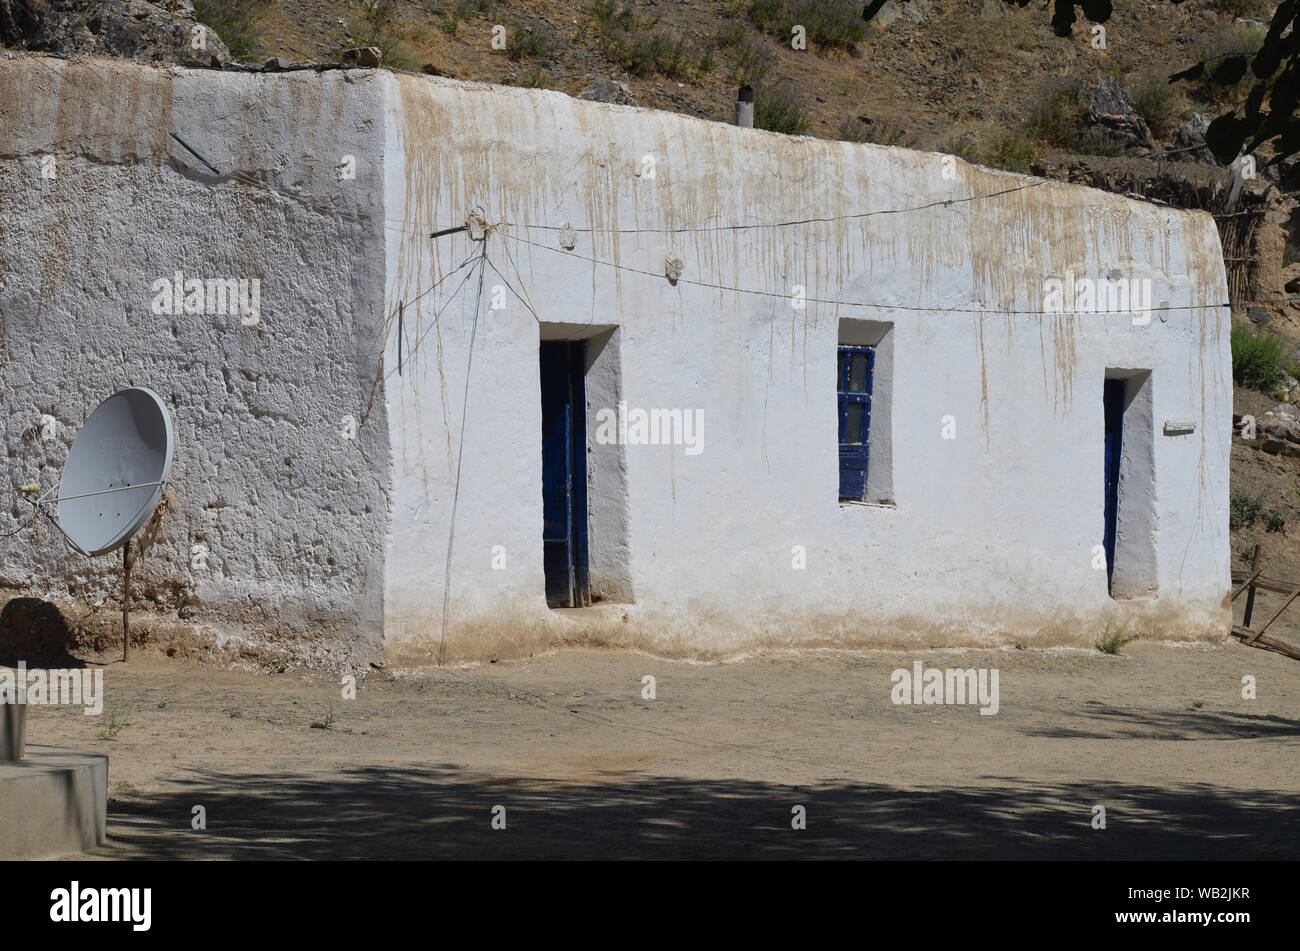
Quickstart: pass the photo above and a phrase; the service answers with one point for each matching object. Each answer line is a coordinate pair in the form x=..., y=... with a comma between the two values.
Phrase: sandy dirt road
x=1159, y=735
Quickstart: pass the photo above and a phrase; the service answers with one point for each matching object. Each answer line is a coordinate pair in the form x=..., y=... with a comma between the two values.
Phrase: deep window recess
x=1130, y=531
x=564, y=473
x=1113, y=403
x=856, y=373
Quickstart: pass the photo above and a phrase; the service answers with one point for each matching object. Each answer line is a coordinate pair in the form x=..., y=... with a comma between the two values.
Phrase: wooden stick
x=1250, y=598
x=126, y=601
x=1265, y=583
x=1267, y=643
x=1248, y=583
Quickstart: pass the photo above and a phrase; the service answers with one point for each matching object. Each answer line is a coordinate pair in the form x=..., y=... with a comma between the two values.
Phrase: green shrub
x=1113, y=637
x=769, y=15
x=750, y=60
x=778, y=109
x=962, y=146
x=1004, y=150
x=829, y=23
x=528, y=43
x=1156, y=102
x=1236, y=8
x=463, y=10
x=1244, y=510
x=610, y=17
x=1056, y=120
x=731, y=37
x=880, y=132
x=1258, y=359
x=645, y=53
x=633, y=43
x=394, y=52
x=537, y=79
x=667, y=56
x=1096, y=142
x=1237, y=40
x=117, y=722
x=1060, y=121
x=377, y=13
x=1011, y=153
x=235, y=21
x=379, y=29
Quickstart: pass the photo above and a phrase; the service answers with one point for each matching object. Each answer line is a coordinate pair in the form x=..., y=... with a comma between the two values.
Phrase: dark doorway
x=564, y=473
x=1113, y=399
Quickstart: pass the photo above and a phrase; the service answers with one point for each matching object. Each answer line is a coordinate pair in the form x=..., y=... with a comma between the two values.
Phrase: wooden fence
x=1250, y=581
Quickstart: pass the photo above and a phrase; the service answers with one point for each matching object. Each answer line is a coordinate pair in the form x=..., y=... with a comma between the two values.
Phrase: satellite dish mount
x=113, y=480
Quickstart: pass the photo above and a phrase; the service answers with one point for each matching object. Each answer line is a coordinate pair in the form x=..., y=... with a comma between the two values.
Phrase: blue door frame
x=564, y=473
x=1113, y=401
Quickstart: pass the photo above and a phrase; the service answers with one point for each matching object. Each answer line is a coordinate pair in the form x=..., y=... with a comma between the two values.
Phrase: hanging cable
x=35, y=515
x=410, y=354
x=850, y=303
x=942, y=202
x=460, y=455
x=512, y=290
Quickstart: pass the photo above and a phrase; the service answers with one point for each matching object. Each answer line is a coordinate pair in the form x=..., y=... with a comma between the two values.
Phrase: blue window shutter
x=855, y=372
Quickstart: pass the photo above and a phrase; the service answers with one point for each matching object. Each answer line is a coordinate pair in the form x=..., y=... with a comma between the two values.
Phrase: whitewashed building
x=716, y=387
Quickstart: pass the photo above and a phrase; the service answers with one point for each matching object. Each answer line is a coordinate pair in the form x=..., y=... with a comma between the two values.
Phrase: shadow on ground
x=439, y=812
x=35, y=631
x=1117, y=723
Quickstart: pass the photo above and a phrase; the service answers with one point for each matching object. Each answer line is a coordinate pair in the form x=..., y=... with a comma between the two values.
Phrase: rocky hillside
x=986, y=79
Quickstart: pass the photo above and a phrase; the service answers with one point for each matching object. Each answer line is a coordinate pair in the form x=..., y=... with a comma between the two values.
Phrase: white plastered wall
x=991, y=535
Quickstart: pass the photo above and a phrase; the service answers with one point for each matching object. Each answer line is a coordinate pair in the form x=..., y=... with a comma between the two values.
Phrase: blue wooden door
x=856, y=371
x=1113, y=401
x=564, y=473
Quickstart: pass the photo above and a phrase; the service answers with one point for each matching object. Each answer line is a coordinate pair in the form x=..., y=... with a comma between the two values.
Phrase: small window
x=857, y=371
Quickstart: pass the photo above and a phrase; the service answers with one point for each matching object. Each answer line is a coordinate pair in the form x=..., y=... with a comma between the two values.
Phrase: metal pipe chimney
x=745, y=107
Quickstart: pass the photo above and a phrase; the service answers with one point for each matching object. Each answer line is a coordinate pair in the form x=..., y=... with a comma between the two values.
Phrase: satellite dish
x=115, y=472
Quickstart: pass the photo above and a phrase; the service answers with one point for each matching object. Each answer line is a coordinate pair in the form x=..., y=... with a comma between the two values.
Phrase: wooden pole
x=127, y=559
x=1250, y=595
x=1276, y=614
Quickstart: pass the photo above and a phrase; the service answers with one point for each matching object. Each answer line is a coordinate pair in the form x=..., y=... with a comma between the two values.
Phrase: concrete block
x=54, y=802
x=13, y=728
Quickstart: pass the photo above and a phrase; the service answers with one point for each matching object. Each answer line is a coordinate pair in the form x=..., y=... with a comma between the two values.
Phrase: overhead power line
x=864, y=304
x=941, y=202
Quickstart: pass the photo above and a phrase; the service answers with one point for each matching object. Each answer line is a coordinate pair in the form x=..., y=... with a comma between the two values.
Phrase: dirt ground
x=1159, y=735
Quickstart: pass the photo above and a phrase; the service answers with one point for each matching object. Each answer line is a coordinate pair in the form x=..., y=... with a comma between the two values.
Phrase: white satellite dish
x=115, y=472
x=113, y=480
